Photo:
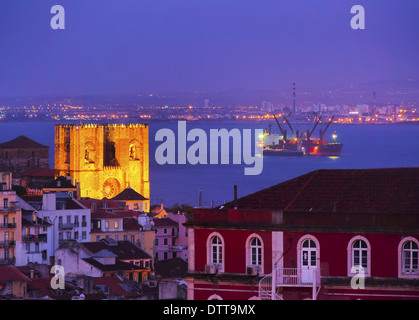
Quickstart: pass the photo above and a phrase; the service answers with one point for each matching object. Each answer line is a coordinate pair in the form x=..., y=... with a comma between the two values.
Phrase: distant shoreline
x=224, y=121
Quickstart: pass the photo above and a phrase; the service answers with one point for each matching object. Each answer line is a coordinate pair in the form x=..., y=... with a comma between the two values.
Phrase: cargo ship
x=321, y=147
x=324, y=149
x=276, y=145
x=302, y=144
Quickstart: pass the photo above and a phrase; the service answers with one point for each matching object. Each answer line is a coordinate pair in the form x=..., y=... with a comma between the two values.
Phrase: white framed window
x=254, y=252
x=308, y=259
x=408, y=253
x=216, y=250
x=359, y=256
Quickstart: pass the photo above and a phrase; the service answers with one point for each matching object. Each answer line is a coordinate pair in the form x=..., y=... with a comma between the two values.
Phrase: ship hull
x=326, y=150
x=282, y=153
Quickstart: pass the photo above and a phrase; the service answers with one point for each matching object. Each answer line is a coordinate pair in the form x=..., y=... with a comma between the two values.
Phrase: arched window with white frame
x=254, y=253
x=308, y=258
x=409, y=258
x=359, y=256
x=215, y=250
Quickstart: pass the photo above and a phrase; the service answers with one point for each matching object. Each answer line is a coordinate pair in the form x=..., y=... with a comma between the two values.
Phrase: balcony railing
x=297, y=276
x=34, y=238
x=7, y=225
x=66, y=225
x=8, y=261
x=7, y=243
x=11, y=208
x=289, y=277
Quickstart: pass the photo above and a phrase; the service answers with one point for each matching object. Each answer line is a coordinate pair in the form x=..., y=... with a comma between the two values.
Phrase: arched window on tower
x=89, y=152
x=67, y=152
x=134, y=150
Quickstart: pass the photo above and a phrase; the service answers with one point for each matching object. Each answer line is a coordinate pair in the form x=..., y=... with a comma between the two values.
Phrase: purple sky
x=132, y=46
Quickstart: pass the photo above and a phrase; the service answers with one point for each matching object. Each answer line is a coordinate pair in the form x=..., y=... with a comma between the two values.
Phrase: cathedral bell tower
x=104, y=159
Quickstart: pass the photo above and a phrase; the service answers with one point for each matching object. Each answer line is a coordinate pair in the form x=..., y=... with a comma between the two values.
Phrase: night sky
x=130, y=46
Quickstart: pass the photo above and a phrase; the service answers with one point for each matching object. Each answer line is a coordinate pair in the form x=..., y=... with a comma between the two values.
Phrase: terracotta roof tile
x=345, y=190
x=10, y=273
x=22, y=142
x=50, y=173
x=125, y=250
x=165, y=222
x=129, y=194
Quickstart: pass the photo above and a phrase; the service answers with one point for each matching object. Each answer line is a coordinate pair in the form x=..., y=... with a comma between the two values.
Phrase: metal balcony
x=34, y=238
x=7, y=225
x=289, y=277
x=66, y=226
x=8, y=261
x=11, y=208
x=7, y=243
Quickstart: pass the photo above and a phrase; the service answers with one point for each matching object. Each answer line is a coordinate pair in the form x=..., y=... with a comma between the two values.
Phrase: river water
x=365, y=146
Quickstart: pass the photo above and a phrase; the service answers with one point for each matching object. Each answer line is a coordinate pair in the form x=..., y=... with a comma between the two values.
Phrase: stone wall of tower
x=104, y=159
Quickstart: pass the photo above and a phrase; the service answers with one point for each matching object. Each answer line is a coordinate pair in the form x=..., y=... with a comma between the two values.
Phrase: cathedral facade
x=104, y=159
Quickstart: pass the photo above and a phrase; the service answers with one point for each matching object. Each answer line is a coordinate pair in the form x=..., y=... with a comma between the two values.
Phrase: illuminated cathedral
x=104, y=159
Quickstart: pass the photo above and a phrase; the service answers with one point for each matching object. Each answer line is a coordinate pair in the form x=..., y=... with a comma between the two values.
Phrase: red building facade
x=330, y=234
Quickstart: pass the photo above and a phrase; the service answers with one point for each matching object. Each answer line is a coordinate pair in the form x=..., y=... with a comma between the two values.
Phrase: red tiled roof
x=40, y=173
x=131, y=224
x=114, y=284
x=125, y=250
x=60, y=183
x=10, y=273
x=104, y=214
x=118, y=266
x=22, y=142
x=129, y=194
x=174, y=268
x=72, y=204
x=165, y=222
x=390, y=190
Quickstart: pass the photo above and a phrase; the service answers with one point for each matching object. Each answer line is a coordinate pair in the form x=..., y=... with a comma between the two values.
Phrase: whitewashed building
x=69, y=219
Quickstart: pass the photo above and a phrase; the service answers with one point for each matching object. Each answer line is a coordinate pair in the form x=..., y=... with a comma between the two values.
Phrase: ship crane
x=283, y=132
x=289, y=124
x=318, y=120
x=322, y=132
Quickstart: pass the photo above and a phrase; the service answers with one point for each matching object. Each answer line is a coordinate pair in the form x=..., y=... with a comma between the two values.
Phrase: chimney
x=235, y=197
x=200, y=198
